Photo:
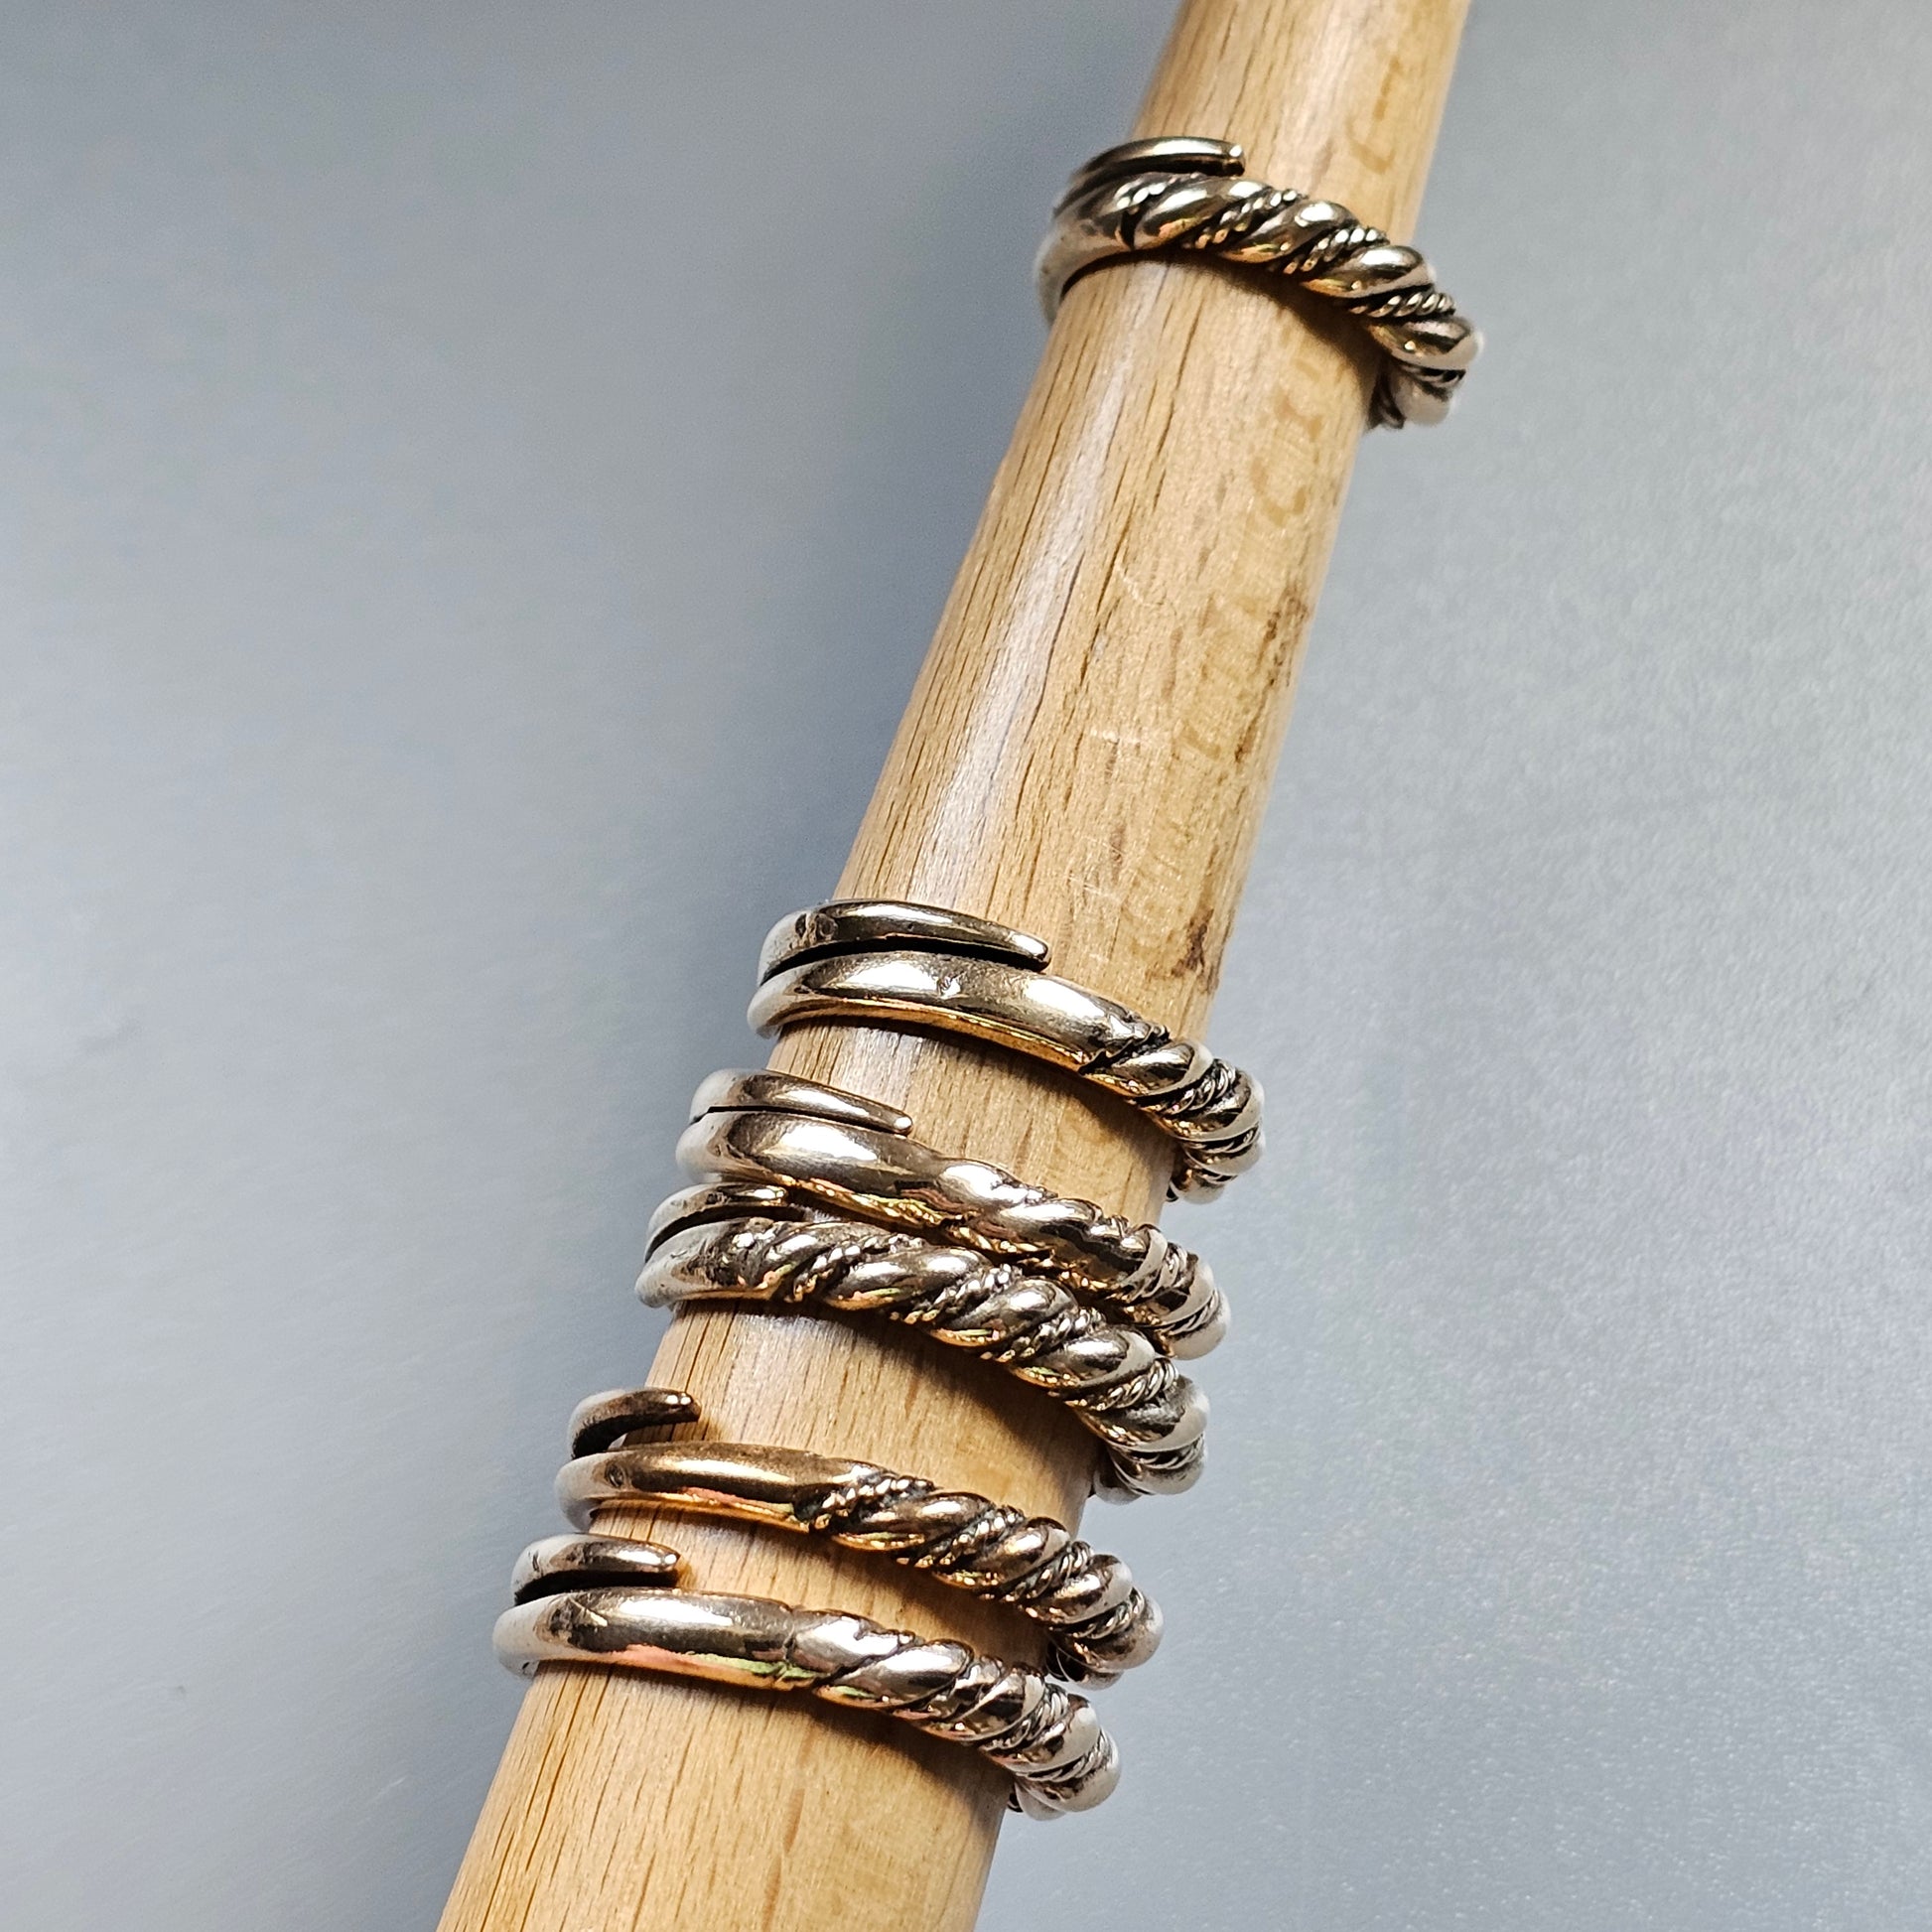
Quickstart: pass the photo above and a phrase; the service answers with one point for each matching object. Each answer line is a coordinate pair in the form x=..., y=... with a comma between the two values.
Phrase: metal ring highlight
x=734, y=1241
x=1187, y=193
x=581, y=1601
x=844, y=1153
x=857, y=959
x=1097, y=1622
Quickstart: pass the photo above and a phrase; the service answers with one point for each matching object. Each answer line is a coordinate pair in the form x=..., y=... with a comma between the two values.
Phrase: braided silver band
x=857, y=959
x=1099, y=1623
x=820, y=1146
x=738, y=1242
x=1187, y=193
x=575, y=1608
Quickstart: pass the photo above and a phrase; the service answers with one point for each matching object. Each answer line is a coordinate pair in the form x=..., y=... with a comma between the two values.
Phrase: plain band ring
x=1098, y=1622
x=1188, y=193
x=850, y=1155
x=576, y=1607
x=737, y=1242
x=855, y=959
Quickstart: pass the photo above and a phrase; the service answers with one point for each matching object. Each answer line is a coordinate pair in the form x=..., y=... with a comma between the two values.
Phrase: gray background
x=426, y=525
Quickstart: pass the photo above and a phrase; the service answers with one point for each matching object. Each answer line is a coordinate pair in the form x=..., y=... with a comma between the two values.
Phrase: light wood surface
x=1086, y=756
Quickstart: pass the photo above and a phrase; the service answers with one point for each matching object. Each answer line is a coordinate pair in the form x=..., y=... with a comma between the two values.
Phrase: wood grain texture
x=1086, y=754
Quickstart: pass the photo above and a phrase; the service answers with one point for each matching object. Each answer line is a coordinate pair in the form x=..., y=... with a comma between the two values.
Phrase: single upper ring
x=1099, y=1623
x=853, y=1156
x=857, y=959
x=1186, y=191
x=738, y=1242
x=613, y=1602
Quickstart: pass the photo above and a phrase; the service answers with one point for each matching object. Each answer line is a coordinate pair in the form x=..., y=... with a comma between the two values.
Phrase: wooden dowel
x=1086, y=756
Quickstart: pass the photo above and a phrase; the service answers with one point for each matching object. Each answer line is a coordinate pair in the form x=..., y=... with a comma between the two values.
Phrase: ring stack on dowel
x=808, y=1197
x=1088, y=749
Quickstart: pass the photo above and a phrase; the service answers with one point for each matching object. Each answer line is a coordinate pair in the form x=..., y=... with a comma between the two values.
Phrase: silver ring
x=1099, y=1623
x=857, y=959
x=1045, y=1737
x=850, y=1155
x=1188, y=193
x=734, y=1241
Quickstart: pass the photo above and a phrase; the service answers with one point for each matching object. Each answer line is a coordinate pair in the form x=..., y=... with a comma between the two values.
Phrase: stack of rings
x=807, y=1195
x=615, y=1600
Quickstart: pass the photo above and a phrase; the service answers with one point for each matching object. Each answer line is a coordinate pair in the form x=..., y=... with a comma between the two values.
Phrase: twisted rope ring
x=1098, y=1623
x=613, y=1602
x=727, y=1242
x=1187, y=193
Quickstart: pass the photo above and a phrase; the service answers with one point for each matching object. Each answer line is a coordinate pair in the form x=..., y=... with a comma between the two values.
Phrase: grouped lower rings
x=864, y=960
x=617, y=1601
x=810, y=1196
x=1185, y=193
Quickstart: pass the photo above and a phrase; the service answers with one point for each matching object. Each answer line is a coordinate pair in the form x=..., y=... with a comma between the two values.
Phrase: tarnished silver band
x=859, y=959
x=734, y=1241
x=844, y=1153
x=1185, y=193
x=1045, y=1737
x=1099, y=1623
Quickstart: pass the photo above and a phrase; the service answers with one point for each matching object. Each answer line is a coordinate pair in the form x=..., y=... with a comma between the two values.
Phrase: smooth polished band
x=588, y=1600
x=1099, y=1623
x=1188, y=193
x=857, y=959
x=734, y=1241
x=845, y=1153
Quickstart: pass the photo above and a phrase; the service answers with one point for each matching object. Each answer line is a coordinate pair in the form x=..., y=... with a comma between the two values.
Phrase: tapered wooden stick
x=1086, y=756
